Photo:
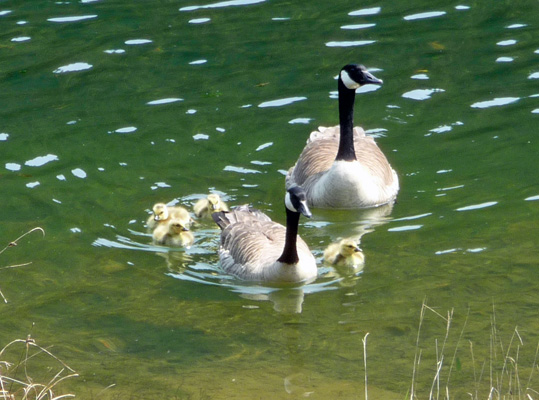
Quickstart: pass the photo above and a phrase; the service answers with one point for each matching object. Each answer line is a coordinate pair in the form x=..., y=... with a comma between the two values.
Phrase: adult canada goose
x=341, y=167
x=345, y=253
x=255, y=248
x=173, y=233
x=208, y=205
x=163, y=213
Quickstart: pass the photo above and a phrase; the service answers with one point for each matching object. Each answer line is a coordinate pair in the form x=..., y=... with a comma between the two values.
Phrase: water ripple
x=127, y=129
x=405, y=228
x=199, y=20
x=128, y=244
x=41, y=160
x=358, y=26
x=75, y=18
x=79, y=66
x=79, y=173
x=132, y=42
x=114, y=51
x=508, y=42
x=413, y=217
x=13, y=167
x=477, y=206
x=223, y=4
x=158, y=185
x=420, y=76
x=201, y=136
x=240, y=170
x=281, y=102
x=450, y=188
x=421, y=94
x=441, y=129
x=424, y=15
x=21, y=39
x=498, y=101
x=300, y=121
x=366, y=11
x=349, y=43
x=504, y=59
x=264, y=146
x=164, y=101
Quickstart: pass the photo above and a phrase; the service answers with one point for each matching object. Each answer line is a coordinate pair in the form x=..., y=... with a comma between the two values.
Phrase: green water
x=84, y=156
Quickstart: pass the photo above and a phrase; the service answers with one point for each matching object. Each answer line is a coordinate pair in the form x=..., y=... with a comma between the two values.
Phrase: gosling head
x=296, y=201
x=177, y=226
x=215, y=201
x=348, y=247
x=355, y=75
x=160, y=212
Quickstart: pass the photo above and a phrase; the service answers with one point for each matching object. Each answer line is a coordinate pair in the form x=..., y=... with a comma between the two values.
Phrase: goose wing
x=247, y=247
x=244, y=213
x=319, y=154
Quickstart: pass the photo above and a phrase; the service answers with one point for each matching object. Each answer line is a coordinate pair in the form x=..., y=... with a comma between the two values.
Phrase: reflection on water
x=110, y=107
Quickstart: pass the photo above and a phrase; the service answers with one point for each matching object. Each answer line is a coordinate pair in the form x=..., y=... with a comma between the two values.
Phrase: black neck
x=290, y=251
x=346, y=118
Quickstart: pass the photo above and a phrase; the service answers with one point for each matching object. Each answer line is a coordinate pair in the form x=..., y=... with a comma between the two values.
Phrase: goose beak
x=304, y=209
x=371, y=79
x=357, y=250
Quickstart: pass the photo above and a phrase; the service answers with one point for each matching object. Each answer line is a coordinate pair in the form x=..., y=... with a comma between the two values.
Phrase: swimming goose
x=173, y=233
x=341, y=167
x=345, y=253
x=255, y=248
x=208, y=205
x=163, y=213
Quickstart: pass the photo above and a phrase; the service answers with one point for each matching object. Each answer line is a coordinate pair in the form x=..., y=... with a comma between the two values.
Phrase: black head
x=356, y=75
x=296, y=201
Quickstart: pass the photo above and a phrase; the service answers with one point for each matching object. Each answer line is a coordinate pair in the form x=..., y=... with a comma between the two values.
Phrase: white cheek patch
x=288, y=203
x=348, y=82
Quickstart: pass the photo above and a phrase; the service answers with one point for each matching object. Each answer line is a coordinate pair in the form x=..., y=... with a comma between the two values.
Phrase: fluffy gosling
x=345, y=253
x=163, y=213
x=205, y=207
x=174, y=233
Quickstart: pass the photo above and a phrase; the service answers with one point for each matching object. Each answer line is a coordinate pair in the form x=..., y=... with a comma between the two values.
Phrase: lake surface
x=108, y=107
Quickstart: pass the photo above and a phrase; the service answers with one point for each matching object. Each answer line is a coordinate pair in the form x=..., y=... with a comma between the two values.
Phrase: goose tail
x=221, y=219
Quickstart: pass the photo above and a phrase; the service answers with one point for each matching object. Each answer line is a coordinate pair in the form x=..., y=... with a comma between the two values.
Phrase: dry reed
x=16, y=382
x=504, y=381
x=13, y=244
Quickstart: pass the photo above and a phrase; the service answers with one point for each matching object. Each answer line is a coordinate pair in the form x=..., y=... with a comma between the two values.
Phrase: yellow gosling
x=345, y=253
x=163, y=213
x=174, y=233
x=205, y=207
